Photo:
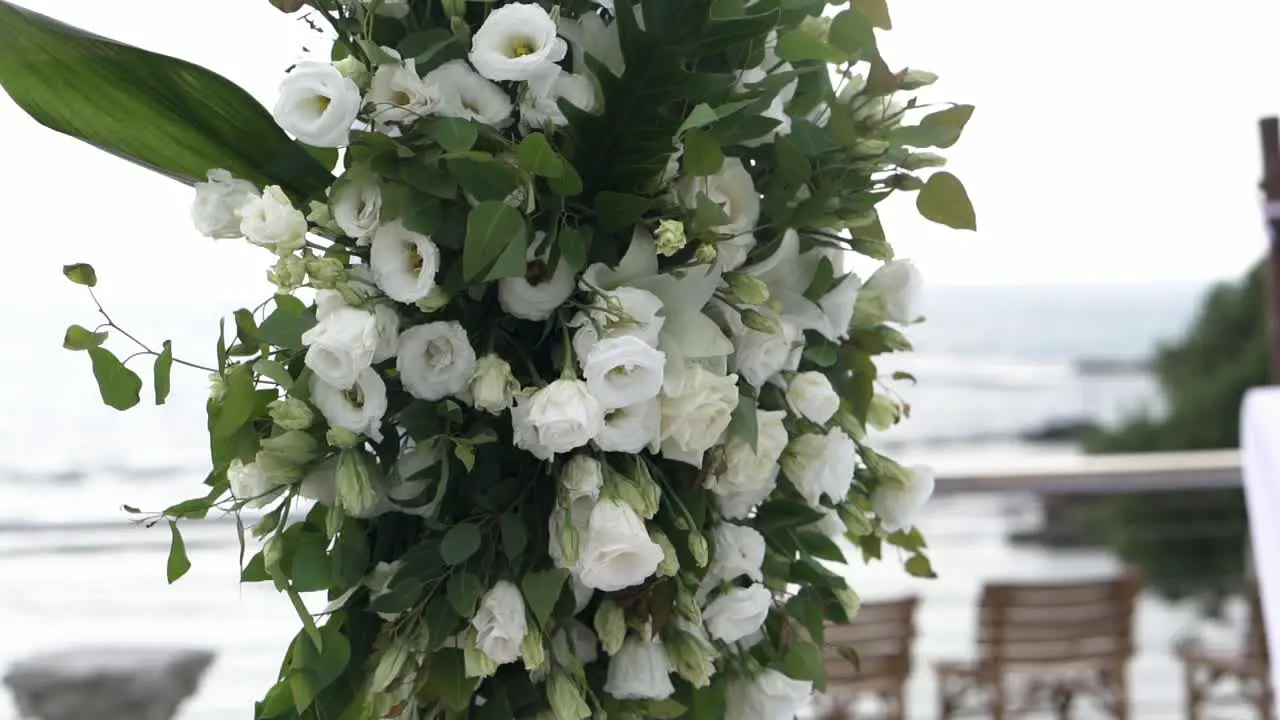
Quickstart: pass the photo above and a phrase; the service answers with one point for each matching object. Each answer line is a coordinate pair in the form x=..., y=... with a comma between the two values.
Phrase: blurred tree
x=1192, y=543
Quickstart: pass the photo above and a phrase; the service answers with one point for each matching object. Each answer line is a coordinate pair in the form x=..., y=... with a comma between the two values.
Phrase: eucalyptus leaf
x=80, y=273
x=161, y=372
x=80, y=338
x=178, y=563
x=120, y=387
x=943, y=200
x=491, y=228
x=460, y=543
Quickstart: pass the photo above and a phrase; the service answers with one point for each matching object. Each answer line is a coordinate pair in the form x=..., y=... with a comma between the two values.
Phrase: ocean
x=995, y=366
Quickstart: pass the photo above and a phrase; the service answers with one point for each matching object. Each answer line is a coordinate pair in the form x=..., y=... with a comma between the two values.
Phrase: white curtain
x=1260, y=461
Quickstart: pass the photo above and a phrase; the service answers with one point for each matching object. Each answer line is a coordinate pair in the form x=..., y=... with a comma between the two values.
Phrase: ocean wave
x=121, y=473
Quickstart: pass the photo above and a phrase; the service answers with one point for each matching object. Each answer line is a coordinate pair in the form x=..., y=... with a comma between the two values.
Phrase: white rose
x=617, y=552
x=617, y=313
x=820, y=465
x=492, y=386
x=838, y=304
x=739, y=551
x=812, y=397
x=356, y=204
x=540, y=105
x=624, y=371
x=565, y=415
x=272, y=222
x=737, y=613
x=770, y=696
x=516, y=42
x=631, y=429
x=897, y=287
x=500, y=623
x=524, y=435
x=760, y=356
x=750, y=474
x=735, y=192
x=249, y=484
x=899, y=504
x=436, y=360
x=539, y=292
x=318, y=105
x=404, y=263
x=640, y=671
x=358, y=407
x=387, y=323
x=341, y=346
x=469, y=96
x=695, y=419
x=216, y=203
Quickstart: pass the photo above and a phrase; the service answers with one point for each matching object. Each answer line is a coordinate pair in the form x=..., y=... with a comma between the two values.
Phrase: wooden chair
x=880, y=638
x=1247, y=671
x=1046, y=644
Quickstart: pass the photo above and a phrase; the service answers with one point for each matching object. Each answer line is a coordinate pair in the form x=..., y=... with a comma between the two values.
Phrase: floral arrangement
x=563, y=397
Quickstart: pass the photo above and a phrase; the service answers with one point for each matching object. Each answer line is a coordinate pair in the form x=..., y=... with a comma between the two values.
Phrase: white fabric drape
x=1260, y=462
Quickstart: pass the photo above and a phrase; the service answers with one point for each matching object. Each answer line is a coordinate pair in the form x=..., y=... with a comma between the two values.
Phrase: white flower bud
x=670, y=237
x=565, y=697
x=747, y=289
x=705, y=254
x=289, y=273
x=325, y=272
x=670, y=564
x=493, y=387
x=355, y=492
x=475, y=663
x=698, y=549
x=611, y=626
x=291, y=413
x=351, y=68
x=916, y=79
x=533, y=650
x=341, y=438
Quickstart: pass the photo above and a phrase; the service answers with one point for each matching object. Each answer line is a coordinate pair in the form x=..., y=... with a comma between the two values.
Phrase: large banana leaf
x=166, y=114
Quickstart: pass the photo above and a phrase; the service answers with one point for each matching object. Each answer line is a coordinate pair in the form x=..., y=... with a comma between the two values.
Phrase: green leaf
x=160, y=372
x=455, y=134
x=430, y=179
x=701, y=116
x=702, y=155
x=421, y=213
x=309, y=566
x=464, y=592
x=491, y=228
x=804, y=662
x=236, y=407
x=743, y=423
x=708, y=214
x=567, y=184
x=166, y=114
x=800, y=46
x=460, y=543
x=667, y=709
x=943, y=200
x=447, y=681
x=620, y=210
x=537, y=157
x=512, y=263
x=273, y=370
x=79, y=273
x=575, y=246
x=79, y=338
x=285, y=326
x=919, y=566
x=178, y=564
x=876, y=12
x=120, y=387
x=852, y=33
x=806, y=607
x=950, y=123
x=542, y=590
x=514, y=535
x=483, y=177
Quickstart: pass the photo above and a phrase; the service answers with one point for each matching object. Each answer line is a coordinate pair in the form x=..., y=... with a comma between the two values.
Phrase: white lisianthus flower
x=565, y=415
x=404, y=262
x=250, y=485
x=838, y=305
x=356, y=203
x=898, y=288
x=575, y=640
x=216, y=203
x=524, y=434
x=516, y=42
x=617, y=552
x=739, y=552
x=271, y=221
x=358, y=408
x=624, y=371
x=750, y=474
x=469, y=96
x=820, y=465
x=760, y=356
x=695, y=419
x=735, y=192
x=500, y=623
x=540, y=105
x=588, y=34
x=640, y=671
x=436, y=360
x=539, y=292
x=899, y=504
x=770, y=696
x=387, y=322
x=400, y=97
x=631, y=429
x=341, y=345
x=737, y=613
x=615, y=313
x=493, y=388
x=318, y=105
x=812, y=397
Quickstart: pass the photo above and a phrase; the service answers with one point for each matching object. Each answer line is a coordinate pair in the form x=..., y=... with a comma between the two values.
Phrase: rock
x=106, y=683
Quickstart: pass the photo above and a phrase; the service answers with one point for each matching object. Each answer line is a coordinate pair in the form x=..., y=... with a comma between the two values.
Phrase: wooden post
x=1270, y=131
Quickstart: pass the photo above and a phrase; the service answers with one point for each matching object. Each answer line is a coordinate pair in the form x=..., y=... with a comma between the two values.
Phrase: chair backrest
x=1021, y=624
x=881, y=635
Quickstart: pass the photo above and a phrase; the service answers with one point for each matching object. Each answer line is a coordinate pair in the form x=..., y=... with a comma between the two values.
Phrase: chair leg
x=1062, y=699
x=1194, y=698
x=1120, y=693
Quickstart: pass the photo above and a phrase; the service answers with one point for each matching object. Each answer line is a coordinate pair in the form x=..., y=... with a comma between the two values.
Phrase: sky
x=1113, y=142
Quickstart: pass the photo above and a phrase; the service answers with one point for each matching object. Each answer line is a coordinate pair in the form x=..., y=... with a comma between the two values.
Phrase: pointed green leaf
x=851, y=32
x=943, y=200
x=514, y=535
x=166, y=114
x=876, y=12
x=454, y=134
x=537, y=157
x=542, y=590
x=491, y=228
x=702, y=155
x=460, y=543
x=949, y=123
x=119, y=386
x=744, y=422
x=799, y=46
x=575, y=246
x=79, y=338
x=80, y=273
x=160, y=372
x=620, y=210
x=179, y=563
x=464, y=591
x=919, y=566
